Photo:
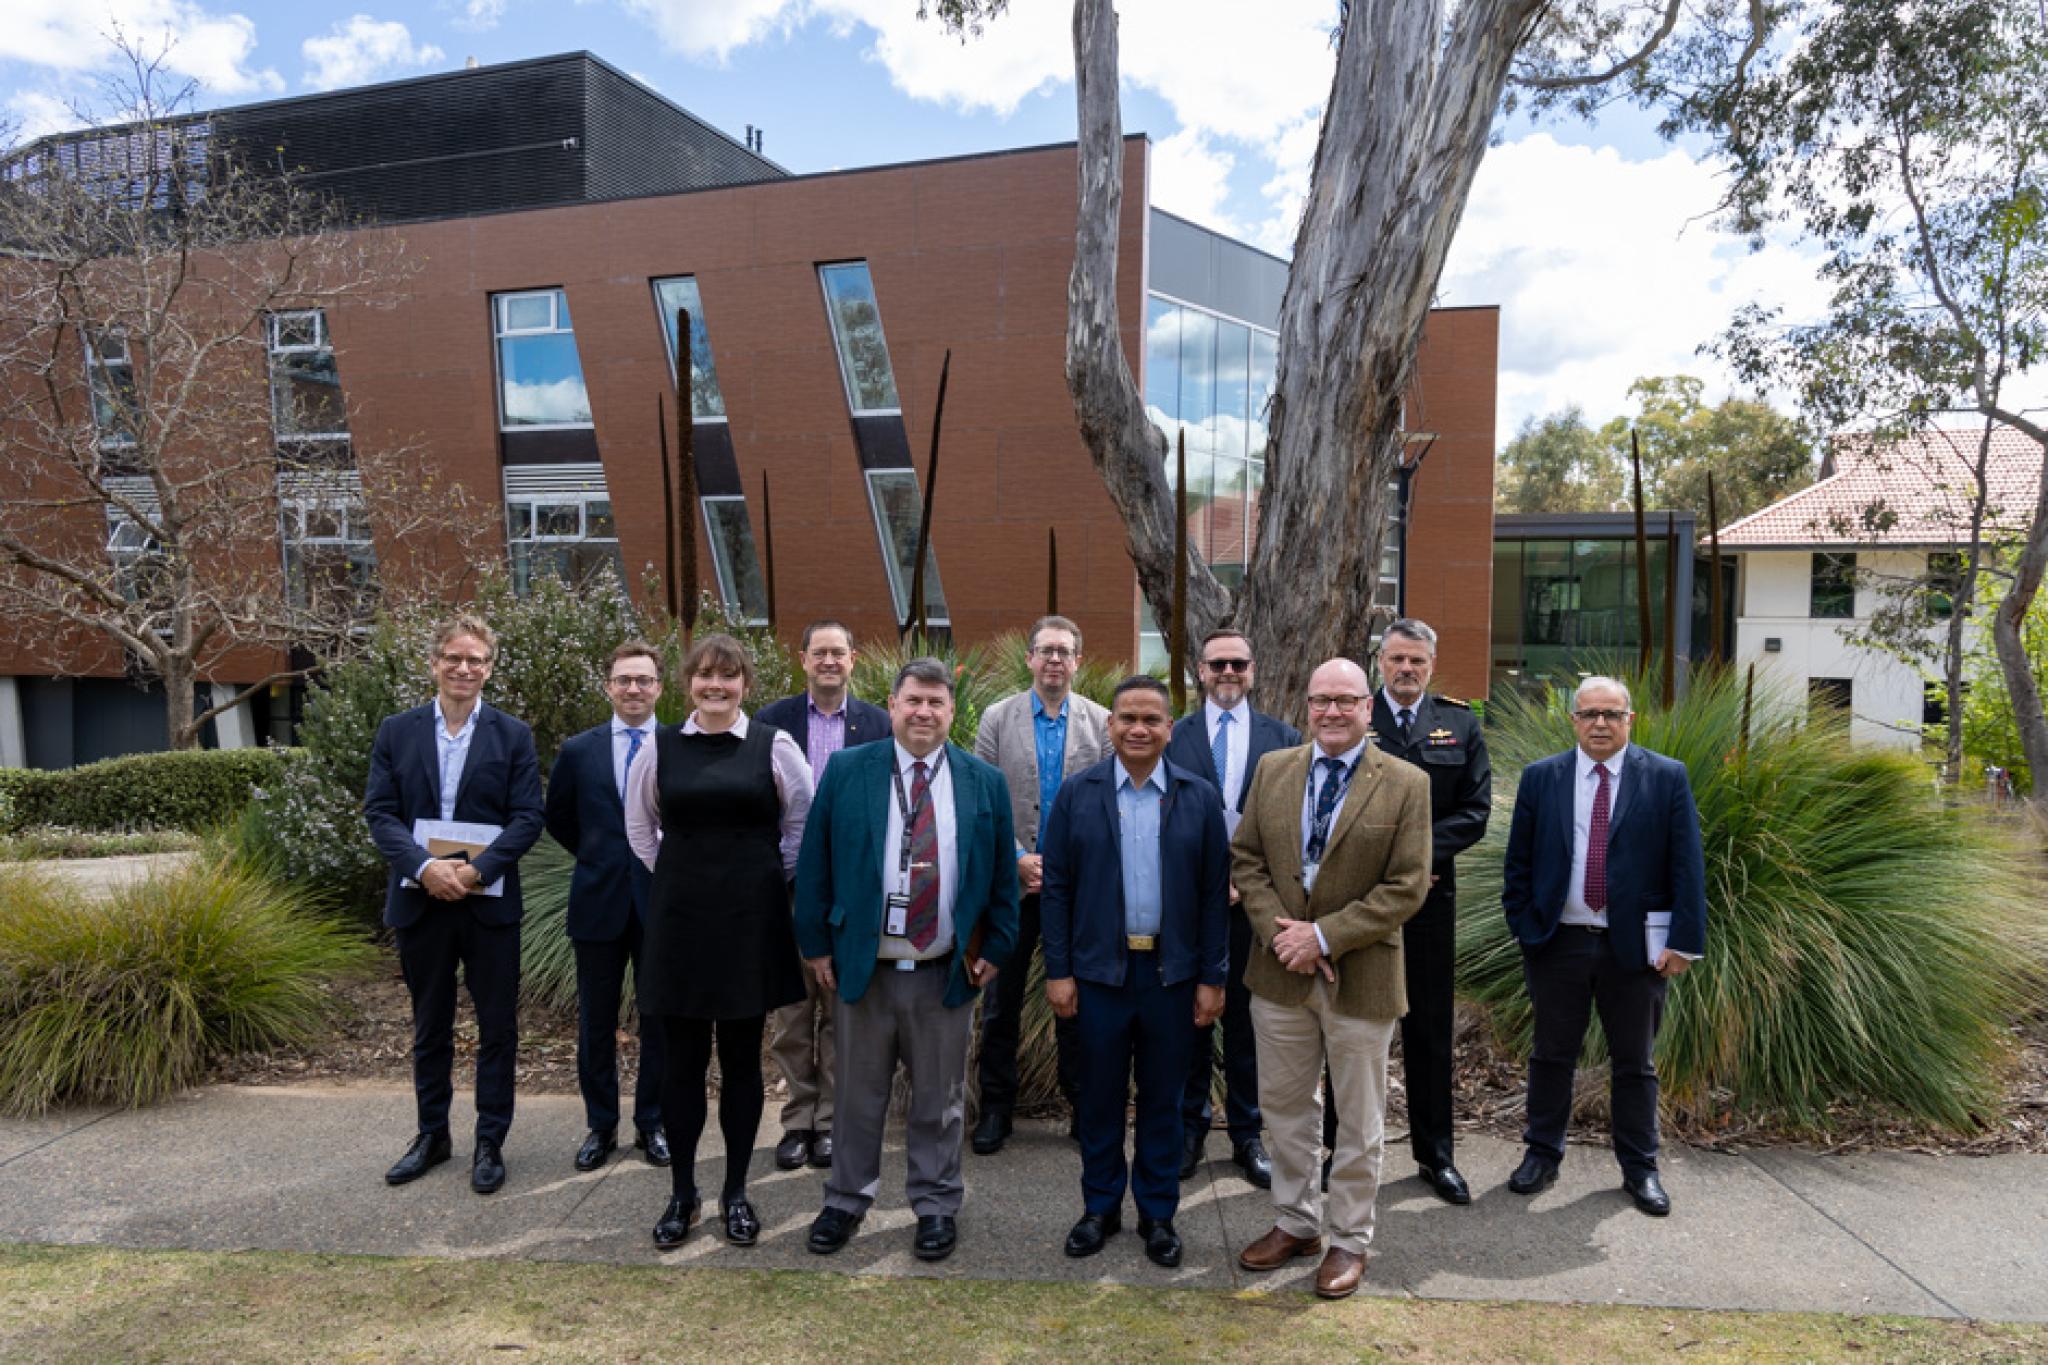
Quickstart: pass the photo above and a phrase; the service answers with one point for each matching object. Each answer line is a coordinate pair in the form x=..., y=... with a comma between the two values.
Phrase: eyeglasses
x=465, y=661
x=1343, y=706
x=1228, y=665
x=1601, y=713
x=1053, y=652
x=636, y=684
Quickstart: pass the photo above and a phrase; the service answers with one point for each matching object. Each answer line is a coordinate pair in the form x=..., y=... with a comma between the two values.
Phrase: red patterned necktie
x=1596, y=846
x=923, y=924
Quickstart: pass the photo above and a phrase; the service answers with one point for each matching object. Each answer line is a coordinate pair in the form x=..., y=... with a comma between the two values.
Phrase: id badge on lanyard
x=896, y=908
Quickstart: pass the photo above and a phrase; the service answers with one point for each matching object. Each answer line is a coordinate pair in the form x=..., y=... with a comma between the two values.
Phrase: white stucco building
x=1813, y=566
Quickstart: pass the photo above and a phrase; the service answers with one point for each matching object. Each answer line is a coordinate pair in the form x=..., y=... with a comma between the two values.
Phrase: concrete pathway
x=98, y=876
x=300, y=1169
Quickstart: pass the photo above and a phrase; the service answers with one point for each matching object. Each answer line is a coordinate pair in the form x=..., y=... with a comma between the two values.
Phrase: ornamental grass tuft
x=127, y=999
x=1870, y=940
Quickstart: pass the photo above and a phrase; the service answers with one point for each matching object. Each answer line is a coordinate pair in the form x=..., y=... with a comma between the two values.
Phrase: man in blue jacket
x=1134, y=908
x=1222, y=744
x=456, y=759
x=1605, y=888
x=608, y=903
x=906, y=904
x=823, y=718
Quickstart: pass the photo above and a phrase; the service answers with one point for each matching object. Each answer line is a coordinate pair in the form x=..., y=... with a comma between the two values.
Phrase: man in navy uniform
x=608, y=903
x=1134, y=912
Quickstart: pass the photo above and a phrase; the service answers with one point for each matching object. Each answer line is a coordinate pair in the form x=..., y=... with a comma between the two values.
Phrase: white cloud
x=213, y=49
x=1190, y=177
x=696, y=28
x=34, y=114
x=478, y=15
x=1606, y=270
x=361, y=50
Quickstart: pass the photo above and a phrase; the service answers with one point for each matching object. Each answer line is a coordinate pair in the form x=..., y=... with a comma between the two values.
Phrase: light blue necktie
x=633, y=738
x=1219, y=753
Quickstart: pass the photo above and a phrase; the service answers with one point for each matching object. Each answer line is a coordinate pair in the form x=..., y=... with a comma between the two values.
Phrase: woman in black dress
x=717, y=814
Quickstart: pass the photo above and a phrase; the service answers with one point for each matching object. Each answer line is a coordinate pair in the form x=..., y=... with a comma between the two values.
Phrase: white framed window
x=680, y=292
x=730, y=534
x=898, y=506
x=328, y=554
x=569, y=534
x=540, y=377
x=856, y=319
x=305, y=387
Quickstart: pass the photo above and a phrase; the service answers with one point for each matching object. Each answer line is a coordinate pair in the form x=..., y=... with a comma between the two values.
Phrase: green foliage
x=1559, y=464
x=1867, y=943
x=182, y=791
x=1008, y=659
x=54, y=841
x=554, y=645
x=127, y=999
x=547, y=959
x=776, y=672
x=1991, y=732
x=975, y=686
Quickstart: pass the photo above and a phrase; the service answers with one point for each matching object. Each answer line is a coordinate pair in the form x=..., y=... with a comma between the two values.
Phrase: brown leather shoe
x=1276, y=1249
x=1339, y=1274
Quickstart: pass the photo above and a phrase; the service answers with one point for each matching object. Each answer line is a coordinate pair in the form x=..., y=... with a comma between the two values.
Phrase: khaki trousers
x=1293, y=1043
x=802, y=1047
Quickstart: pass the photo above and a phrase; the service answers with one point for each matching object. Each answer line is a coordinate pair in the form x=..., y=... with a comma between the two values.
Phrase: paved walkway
x=299, y=1169
x=98, y=876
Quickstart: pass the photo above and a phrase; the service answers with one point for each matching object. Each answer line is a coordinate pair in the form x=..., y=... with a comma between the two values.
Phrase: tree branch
x=1640, y=58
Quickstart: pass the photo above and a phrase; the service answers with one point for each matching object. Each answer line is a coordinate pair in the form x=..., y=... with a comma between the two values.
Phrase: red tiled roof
x=1913, y=492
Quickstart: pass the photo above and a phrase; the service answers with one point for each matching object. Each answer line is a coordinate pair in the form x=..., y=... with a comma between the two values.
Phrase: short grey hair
x=925, y=670
x=1597, y=682
x=1045, y=623
x=1410, y=629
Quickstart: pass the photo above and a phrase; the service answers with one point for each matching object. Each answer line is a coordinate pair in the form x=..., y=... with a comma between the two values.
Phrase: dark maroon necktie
x=923, y=924
x=1596, y=846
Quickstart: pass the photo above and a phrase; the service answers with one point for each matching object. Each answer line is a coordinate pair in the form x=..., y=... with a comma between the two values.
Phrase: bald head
x=1339, y=706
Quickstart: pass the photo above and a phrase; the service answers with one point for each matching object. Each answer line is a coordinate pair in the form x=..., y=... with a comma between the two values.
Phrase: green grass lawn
x=96, y=1304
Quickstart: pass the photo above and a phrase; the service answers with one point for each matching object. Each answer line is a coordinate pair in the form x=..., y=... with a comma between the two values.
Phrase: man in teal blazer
x=906, y=905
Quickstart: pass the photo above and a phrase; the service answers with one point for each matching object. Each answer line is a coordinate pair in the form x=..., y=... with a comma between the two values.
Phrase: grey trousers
x=901, y=1018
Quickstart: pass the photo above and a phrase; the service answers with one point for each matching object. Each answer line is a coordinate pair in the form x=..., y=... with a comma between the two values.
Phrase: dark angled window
x=1834, y=587
x=898, y=507
x=681, y=293
x=857, y=334
x=111, y=372
x=740, y=582
x=1829, y=697
x=540, y=379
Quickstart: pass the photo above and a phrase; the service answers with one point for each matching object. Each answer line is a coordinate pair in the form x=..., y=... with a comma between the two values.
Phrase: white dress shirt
x=1239, y=753
x=939, y=773
x=451, y=752
x=792, y=786
x=1576, y=911
x=1394, y=708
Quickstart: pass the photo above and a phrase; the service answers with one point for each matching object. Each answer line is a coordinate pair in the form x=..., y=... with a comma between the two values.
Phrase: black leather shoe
x=742, y=1227
x=653, y=1144
x=486, y=1168
x=1162, y=1243
x=428, y=1150
x=676, y=1222
x=1191, y=1153
x=991, y=1133
x=831, y=1230
x=1537, y=1172
x=598, y=1144
x=1250, y=1156
x=821, y=1150
x=1092, y=1233
x=1446, y=1184
x=794, y=1149
x=1649, y=1195
x=936, y=1237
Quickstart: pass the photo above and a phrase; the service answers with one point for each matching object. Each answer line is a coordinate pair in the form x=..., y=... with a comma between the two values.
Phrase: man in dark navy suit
x=456, y=759
x=608, y=903
x=1135, y=912
x=1604, y=886
x=824, y=718
x=1227, y=729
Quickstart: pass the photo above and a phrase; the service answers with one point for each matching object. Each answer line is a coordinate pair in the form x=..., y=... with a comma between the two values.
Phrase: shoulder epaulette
x=1454, y=701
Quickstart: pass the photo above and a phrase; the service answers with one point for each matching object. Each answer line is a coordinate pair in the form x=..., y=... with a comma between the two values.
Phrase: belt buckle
x=1141, y=943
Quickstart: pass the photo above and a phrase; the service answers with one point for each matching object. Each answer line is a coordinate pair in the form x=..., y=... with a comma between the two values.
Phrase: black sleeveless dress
x=720, y=941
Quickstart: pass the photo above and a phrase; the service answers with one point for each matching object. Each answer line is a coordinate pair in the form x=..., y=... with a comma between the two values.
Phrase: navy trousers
x=600, y=979
x=1568, y=978
x=1146, y=1029
x=1240, y=1051
x=429, y=952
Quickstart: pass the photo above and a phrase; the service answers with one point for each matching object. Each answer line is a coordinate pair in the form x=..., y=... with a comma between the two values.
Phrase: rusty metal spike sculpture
x=668, y=513
x=686, y=477
x=1670, y=609
x=768, y=549
x=916, y=620
x=1635, y=446
x=1052, y=571
x=1714, y=605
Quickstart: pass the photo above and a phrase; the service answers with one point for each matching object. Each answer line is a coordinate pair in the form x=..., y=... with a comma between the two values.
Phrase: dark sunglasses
x=1228, y=665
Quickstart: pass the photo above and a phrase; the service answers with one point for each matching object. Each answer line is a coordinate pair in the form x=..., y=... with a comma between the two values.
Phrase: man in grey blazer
x=1036, y=738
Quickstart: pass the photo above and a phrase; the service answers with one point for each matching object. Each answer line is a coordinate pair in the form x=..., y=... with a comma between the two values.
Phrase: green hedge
x=189, y=791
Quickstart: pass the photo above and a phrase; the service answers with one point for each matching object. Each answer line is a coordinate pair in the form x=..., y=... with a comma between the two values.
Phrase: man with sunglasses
x=1604, y=886
x=607, y=913
x=1222, y=744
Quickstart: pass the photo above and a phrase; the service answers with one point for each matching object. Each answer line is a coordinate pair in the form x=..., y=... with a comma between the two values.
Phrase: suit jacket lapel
x=476, y=751
x=1567, y=796
x=965, y=802
x=1632, y=766
x=1205, y=756
x=429, y=750
x=1283, y=844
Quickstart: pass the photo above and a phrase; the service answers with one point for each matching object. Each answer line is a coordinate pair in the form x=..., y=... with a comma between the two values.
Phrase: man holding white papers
x=1605, y=888
x=456, y=760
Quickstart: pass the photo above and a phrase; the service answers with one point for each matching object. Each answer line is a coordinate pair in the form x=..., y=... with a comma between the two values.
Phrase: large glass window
x=681, y=293
x=330, y=564
x=1566, y=607
x=306, y=405
x=898, y=507
x=857, y=333
x=569, y=535
x=540, y=378
x=740, y=581
x=110, y=372
x=136, y=556
x=1833, y=587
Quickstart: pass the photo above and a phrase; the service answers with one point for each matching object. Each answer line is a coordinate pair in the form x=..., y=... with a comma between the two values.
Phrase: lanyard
x=1320, y=816
x=903, y=805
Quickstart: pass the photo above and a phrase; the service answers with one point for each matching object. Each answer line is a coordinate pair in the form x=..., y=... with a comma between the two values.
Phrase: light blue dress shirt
x=1137, y=815
x=1051, y=733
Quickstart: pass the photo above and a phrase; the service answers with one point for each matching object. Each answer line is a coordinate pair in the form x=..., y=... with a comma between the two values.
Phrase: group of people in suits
x=847, y=872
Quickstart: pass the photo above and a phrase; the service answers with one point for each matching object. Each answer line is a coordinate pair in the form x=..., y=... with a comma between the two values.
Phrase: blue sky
x=1590, y=237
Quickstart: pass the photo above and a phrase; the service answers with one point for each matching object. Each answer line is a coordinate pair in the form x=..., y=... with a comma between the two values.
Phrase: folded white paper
x=466, y=832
